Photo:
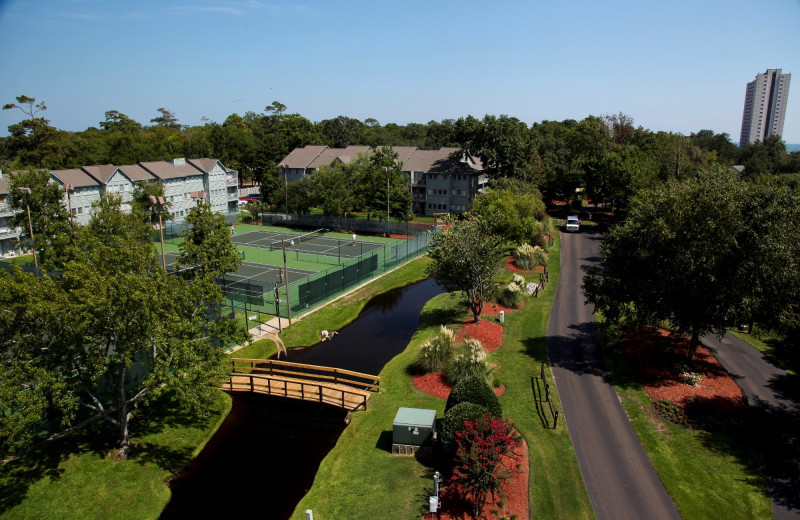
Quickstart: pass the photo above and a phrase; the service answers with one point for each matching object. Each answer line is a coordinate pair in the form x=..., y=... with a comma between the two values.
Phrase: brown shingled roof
x=101, y=172
x=166, y=170
x=136, y=173
x=344, y=155
x=439, y=161
x=76, y=177
x=204, y=165
x=302, y=157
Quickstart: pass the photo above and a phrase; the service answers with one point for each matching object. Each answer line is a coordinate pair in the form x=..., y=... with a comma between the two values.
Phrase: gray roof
x=76, y=177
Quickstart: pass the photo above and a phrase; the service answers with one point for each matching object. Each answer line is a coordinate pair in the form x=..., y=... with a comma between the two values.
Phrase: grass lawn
x=74, y=478
x=361, y=479
x=708, y=475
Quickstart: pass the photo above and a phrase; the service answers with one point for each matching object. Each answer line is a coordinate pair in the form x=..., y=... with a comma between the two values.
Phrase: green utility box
x=412, y=428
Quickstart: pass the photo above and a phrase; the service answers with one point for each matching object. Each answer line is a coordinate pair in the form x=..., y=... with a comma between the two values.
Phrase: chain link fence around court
x=255, y=301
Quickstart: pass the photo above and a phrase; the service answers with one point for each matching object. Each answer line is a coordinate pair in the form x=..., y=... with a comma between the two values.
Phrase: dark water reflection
x=264, y=457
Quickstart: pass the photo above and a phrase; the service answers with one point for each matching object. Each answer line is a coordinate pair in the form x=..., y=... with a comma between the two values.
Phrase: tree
x=341, y=131
x=32, y=141
x=506, y=148
x=113, y=332
x=333, y=189
x=52, y=232
x=514, y=213
x=466, y=256
x=484, y=460
x=206, y=245
x=166, y=119
x=687, y=255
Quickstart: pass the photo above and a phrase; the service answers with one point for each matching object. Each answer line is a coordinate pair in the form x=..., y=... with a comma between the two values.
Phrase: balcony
x=8, y=233
x=5, y=210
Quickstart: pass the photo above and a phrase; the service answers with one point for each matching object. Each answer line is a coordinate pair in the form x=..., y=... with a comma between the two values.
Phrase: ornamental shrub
x=510, y=296
x=523, y=257
x=539, y=256
x=435, y=353
x=518, y=279
x=484, y=461
x=453, y=423
x=469, y=360
x=474, y=389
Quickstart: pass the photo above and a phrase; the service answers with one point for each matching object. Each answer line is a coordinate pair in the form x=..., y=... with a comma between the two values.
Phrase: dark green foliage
x=474, y=390
x=453, y=423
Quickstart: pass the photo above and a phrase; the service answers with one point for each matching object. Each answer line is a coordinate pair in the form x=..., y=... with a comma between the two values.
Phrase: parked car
x=572, y=224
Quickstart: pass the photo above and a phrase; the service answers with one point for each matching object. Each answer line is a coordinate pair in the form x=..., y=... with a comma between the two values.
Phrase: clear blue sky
x=676, y=66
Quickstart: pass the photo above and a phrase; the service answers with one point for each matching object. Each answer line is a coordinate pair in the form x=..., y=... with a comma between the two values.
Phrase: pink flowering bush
x=485, y=460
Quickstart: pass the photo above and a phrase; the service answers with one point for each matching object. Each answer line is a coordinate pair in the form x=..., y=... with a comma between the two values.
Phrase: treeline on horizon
x=608, y=156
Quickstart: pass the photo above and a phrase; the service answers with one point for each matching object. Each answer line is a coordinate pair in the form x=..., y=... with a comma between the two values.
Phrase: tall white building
x=764, y=106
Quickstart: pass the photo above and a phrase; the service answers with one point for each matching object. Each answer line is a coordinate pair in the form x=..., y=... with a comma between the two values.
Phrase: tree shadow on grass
x=99, y=439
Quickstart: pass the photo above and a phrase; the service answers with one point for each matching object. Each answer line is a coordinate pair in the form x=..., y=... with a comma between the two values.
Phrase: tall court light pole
x=70, y=188
x=27, y=193
x=159, y=203
x=286, y=185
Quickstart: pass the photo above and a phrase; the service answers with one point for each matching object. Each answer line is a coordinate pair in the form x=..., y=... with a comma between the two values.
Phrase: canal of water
x=263, y=459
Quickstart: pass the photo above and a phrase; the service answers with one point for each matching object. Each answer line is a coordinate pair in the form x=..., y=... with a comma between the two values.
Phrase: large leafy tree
x=466, y=256
x=31, y=193
x=32, y=141
x=333, y=189
x=109, y=335
x=514, y=210
x=691, y=253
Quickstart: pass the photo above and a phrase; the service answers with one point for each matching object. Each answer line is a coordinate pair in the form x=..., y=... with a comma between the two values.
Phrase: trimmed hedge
x=474, y=390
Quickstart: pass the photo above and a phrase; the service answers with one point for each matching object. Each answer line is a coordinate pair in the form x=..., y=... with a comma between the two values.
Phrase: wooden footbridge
x=335, y=386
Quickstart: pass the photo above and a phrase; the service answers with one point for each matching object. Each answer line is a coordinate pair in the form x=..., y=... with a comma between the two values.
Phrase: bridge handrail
x=372, y=382
x=303, y=384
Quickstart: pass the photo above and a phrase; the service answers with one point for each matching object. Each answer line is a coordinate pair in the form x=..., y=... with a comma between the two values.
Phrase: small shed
x=412, y=428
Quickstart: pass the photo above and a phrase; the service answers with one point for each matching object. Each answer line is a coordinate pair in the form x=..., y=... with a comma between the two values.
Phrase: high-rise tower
x=764, y=106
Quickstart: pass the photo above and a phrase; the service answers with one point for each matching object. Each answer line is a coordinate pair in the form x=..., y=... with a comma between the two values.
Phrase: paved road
x=775, y=417
x=619, y=477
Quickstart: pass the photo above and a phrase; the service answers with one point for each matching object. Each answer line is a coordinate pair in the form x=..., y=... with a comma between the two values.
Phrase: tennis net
x=296, y=239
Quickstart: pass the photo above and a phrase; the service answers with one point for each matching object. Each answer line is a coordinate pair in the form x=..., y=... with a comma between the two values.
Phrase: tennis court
x=316, y=243
x=252, y=280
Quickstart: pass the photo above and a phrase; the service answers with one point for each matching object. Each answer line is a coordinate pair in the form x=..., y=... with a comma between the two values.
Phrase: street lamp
x=158, y=202
x=27, y=191
x=198, y=196
x=286, y=185
x=69, y=188
x=387, y=170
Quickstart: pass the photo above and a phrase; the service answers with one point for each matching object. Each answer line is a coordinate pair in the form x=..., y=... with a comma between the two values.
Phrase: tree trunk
x=694, y=342
x=124, y=416
x=476, y=306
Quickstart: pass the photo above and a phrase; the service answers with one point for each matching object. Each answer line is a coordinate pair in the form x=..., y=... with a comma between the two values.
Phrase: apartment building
x=185, y=181
x=442, y=181
x=764, y=106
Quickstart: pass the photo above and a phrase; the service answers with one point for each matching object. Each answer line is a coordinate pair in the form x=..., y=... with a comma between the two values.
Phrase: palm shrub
x=435, y=353
x=539, y=256
x=469, y=359
x=453, y=423
x=474, y=389
x=523, y=257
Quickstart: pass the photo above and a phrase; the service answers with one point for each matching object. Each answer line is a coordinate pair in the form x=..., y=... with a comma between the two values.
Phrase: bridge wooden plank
x=342, y=396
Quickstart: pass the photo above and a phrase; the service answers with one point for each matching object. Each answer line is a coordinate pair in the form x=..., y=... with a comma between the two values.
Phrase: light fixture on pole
x=27, y=192
x=159, y=204
x=198, y=196
x=69, y=188
x=286, y=185
x=387, y=170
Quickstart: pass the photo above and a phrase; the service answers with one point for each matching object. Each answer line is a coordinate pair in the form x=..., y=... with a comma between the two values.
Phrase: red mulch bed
x=454, y=507
x=511, y=266
x=657, y=370
x=493, y=309
x=489, y=333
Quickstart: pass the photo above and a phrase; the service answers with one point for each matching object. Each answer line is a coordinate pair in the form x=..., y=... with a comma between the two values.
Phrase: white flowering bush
x=468, y=360
x=518, y=279
x=523, y=257
x=435, y=353
x=511, y=296
x=539, y=256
